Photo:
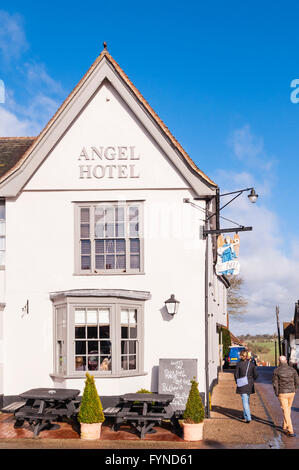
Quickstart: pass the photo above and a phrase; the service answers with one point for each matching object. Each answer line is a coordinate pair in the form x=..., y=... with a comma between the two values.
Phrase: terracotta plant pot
x=192, y=432
x=90, y=431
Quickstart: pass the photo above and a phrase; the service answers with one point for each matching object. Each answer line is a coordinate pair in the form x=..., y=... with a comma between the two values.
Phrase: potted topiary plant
x=194, y=414
x=91, y=414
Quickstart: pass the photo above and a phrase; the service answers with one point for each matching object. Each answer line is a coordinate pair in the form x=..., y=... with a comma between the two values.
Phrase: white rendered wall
x=40, y=260
x=40, y=252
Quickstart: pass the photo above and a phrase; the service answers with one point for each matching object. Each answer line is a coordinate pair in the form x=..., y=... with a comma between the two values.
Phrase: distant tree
x=226, y=341
x=236, y=302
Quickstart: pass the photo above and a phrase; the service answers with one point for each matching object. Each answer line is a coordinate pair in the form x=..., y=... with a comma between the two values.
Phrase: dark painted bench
x=12, y=407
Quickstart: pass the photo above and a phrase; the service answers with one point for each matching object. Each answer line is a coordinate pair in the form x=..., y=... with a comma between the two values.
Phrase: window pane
x=105, y=363
x=135, y=245
x=133, y=332
x=104, y=331
x=99, y=214
x=85, y=247
x=84, y=215
x=104, y=316
x=2, y=243
x=110, y=260
x=124, y=332
x=105, y=347
x=134, y=230
x=133, y=316
x=109, y=229
x=120, y=246
x=120, y=262
x=109, y=214
x=93, y=347
x=84, y=231
x=133, y=214
x=99, y=230
x=85, y=262
x=92, y=332
x=80, y=347
x=135, y=262
x=132, y=362
x=99, y=246
x=2, y=258
x=124, y=363
x=92, y=316
x=109, y=246
x=124, y=347
x=119, y=230
x=80, y=332
x=2, y=227
x=132, y=347
x=93, y=362
x=124, y=317
x=80, y=363
x=119, y=214
x=100, y=262
x=79, y=316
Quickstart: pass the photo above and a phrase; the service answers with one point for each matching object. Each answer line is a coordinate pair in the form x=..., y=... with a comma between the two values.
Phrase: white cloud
x=11, y=126
x=12, y=37
x=39, y=95
x=246, y=145
x=269, y=263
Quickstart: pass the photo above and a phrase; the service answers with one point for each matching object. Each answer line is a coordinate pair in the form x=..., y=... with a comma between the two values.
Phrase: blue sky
x=219, y=76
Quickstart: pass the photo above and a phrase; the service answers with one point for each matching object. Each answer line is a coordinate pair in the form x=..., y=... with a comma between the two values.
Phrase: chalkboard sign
x=174, y=378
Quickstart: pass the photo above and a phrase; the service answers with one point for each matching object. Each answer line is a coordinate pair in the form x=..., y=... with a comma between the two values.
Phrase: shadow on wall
x=165, y=314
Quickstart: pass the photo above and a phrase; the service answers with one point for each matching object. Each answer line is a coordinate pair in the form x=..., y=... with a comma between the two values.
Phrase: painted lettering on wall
x=109, y=162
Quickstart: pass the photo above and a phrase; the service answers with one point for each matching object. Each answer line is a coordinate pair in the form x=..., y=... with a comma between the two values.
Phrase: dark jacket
x=252, y=375
x=285, y=379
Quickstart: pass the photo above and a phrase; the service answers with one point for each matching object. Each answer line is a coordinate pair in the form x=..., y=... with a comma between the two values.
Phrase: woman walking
x=245, y=370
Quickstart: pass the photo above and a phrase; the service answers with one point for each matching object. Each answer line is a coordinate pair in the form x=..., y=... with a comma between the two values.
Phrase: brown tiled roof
x=11, y=150
x=141, y=99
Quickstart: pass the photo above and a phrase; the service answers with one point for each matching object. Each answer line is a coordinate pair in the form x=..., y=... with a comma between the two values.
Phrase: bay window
x=98, y=332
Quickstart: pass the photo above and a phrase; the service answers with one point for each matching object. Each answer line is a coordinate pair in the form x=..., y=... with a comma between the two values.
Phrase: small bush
x=91, y=410
x=142, y=390
x=194, y=412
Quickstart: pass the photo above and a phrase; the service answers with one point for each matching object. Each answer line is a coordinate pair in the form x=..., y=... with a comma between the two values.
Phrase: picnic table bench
x=142, y=410
x=41, y=406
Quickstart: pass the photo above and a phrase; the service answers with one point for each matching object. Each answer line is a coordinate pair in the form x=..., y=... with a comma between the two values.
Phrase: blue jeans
x=246, y=410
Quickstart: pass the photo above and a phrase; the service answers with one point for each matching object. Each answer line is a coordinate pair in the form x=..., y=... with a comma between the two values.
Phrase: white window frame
x=92, y=205
x=66, y=341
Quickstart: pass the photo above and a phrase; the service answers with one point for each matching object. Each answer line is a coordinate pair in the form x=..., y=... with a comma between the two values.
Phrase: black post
x=278, y=330
x=275, y=351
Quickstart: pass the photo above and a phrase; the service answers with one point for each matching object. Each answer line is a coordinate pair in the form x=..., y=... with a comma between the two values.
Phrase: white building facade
x=95, y=236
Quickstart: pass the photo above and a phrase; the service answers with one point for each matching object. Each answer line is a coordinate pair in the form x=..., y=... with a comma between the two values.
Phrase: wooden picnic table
x=143, y=411
x=44, y=405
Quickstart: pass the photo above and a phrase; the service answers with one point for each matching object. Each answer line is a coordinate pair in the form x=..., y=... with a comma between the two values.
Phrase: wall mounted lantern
x=172, y=305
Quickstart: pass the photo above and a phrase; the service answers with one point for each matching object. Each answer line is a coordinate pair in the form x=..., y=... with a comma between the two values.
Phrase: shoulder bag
x=243, y=380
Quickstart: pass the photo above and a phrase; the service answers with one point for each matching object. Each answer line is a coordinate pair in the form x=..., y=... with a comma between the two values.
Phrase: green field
x=265, y=350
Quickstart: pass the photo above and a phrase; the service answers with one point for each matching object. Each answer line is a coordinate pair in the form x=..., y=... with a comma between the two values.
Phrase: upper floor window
x=108, y=238
x=2, y=233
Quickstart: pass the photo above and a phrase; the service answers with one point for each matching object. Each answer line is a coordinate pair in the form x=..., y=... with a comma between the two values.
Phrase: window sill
x=99, y=376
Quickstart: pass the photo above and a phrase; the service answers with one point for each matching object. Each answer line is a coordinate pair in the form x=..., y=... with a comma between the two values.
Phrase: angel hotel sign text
x=109, y=162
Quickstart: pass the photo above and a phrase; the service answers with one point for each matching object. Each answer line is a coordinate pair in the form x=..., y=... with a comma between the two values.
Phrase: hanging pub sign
x=227, y=255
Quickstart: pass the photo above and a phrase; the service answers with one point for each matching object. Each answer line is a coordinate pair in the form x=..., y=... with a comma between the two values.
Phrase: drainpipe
x=207, y=326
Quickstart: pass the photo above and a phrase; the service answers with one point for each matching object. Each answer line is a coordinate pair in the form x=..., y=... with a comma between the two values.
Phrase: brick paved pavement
x=224, y=430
